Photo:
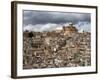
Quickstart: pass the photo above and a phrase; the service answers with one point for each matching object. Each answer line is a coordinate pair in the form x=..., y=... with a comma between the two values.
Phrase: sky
x=49, y=20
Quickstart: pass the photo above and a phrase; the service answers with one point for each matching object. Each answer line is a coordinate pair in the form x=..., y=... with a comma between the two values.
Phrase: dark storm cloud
x=44, y=17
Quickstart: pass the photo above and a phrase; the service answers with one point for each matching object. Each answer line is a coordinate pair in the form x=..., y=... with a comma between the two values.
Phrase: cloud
x=41, y=27
x=45, y=17
x=50, y=20
x=86, y=26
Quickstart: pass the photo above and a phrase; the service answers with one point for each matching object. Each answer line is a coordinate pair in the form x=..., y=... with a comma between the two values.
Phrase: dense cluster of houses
x=54, y=49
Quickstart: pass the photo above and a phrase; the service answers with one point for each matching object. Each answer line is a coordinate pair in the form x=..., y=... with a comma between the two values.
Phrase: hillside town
x=58, y=48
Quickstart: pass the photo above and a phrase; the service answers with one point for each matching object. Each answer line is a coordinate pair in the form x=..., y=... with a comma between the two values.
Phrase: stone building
x=64, y=48
x=69, y=29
